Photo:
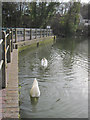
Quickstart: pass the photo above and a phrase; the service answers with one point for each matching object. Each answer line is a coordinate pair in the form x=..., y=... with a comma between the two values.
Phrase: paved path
x=10, y=96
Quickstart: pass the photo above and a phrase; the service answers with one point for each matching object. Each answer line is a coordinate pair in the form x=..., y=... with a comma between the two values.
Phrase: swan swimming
x=44, y=62
x=35, y=92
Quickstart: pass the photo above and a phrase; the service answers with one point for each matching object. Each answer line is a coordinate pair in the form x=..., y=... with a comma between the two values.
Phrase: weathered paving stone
x=12, y=115
x=0, y=113
x=0, y=100
x=0, y=116
x=10, y=105
x=12, y=101
x=0, y=105
x=12, y=92
x=10, y=96
x=12, y=89
x=12, y=109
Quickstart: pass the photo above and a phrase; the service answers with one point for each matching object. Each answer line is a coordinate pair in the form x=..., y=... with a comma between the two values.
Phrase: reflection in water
x=34, y=100
x=63, y=84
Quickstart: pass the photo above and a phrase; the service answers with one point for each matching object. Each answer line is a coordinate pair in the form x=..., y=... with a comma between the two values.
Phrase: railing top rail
x=1, y=63
x=27, y=29
x=1, y=41
x=7, y=35
x=23, y=28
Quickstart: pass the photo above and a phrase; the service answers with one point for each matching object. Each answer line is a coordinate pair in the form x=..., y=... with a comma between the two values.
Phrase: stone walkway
x=9, y=97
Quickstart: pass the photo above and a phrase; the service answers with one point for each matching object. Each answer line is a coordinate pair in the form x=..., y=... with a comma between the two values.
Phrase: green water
x=63, y=85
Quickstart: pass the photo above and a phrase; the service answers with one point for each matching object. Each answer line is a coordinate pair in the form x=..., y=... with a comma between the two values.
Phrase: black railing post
x=43, y=32
x=15, y=35
x=40, y=33
x=24, y=34
x=50, y=32
x=4, y=60
x=11, y=40
x=30, y=34
x=47, y=32
x=9, y=47
x=35, y=33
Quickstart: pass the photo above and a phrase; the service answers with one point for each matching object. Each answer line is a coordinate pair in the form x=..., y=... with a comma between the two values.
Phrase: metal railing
x=14, y=35
x=24, y=34
x=7, y=48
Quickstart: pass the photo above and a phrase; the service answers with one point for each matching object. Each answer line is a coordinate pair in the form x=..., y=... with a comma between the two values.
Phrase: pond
x=63, y=84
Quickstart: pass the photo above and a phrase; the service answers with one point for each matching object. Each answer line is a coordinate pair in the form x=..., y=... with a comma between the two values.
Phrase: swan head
x=44, y=58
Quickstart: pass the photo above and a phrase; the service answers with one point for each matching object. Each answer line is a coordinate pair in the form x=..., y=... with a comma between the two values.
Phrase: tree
x=69, y=19
x=29, y=14
x=72, y=18
x=84, y=11
x=12, y=14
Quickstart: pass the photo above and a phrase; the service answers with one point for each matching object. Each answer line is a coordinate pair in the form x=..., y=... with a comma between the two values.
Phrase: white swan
x=35, y=92
x=44, y=62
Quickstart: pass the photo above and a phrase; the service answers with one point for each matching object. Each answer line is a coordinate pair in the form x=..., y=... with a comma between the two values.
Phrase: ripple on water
x=63, y=85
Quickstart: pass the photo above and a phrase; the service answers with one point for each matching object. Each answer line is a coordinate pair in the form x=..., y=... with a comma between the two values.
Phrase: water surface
x=63, y=85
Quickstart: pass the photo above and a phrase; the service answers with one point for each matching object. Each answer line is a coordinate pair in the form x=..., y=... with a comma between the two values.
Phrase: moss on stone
x=34, y=45
x=26, y=47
